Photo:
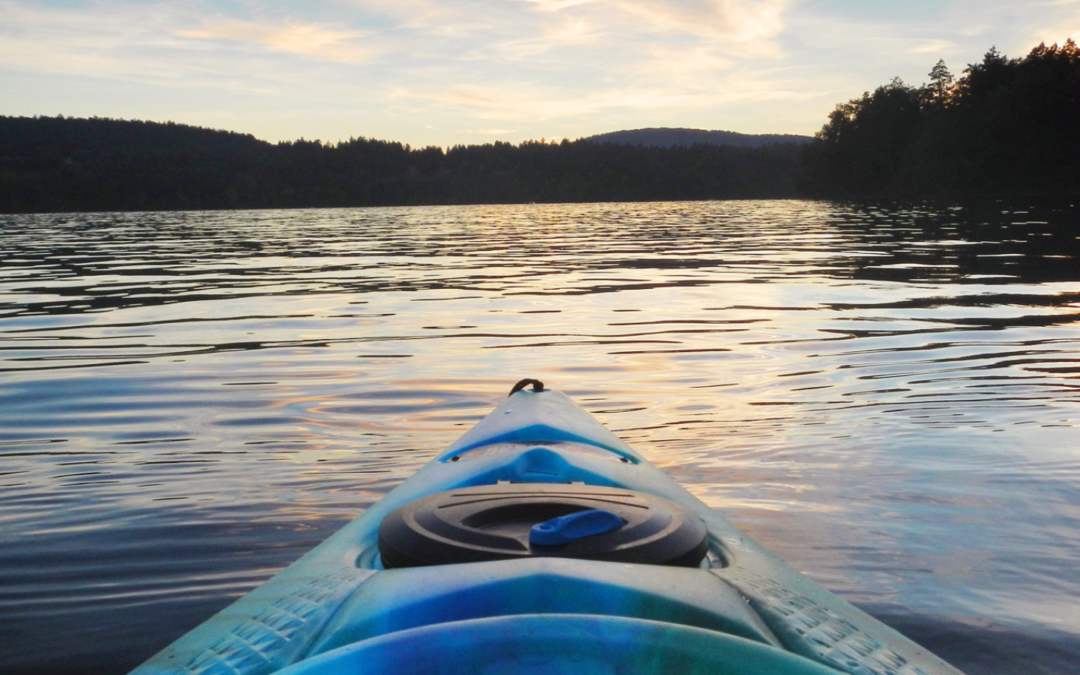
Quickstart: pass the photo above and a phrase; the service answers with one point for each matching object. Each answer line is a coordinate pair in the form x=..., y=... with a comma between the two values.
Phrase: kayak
x=540, y=543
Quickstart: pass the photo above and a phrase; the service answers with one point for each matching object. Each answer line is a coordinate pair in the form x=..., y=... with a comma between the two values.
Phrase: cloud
x=99, y=41
x=691, y=62
x=540, y=51
x=174, y=45
x=514, y=67
x=1066, y=26
x=413, y=14
x=532, y=102
x=740, y=21
x=523, y=101
x=314, y=40
x=490, y=132
x=557, y=5
x=930, y=47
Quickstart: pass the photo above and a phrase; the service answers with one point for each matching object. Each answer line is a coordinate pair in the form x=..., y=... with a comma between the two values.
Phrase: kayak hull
x=337, y=607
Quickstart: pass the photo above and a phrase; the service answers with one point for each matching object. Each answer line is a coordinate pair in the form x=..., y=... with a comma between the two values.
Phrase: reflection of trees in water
x=1005, y=126
x=984, y=241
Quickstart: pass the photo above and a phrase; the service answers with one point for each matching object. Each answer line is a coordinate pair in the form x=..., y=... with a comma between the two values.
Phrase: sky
x=448, y=72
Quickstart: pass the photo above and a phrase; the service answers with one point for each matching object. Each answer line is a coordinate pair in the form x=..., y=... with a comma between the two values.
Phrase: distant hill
x=671, y=138
x=53, y=164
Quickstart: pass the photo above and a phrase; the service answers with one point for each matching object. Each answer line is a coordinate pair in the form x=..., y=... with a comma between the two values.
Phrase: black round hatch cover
x=492, y=522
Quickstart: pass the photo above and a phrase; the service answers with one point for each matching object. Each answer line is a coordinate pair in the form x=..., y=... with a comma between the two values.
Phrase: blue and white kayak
x=540, y=543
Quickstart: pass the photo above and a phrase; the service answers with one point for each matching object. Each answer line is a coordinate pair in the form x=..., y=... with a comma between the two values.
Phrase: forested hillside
x=56, y=164
x=669, y=138
x=1005, y=126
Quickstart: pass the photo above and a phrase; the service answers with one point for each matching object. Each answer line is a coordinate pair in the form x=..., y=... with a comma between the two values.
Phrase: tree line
x=1005, y=126
x=55, y=164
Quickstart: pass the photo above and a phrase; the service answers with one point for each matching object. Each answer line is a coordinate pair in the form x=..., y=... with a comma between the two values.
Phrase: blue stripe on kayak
x=539, y=433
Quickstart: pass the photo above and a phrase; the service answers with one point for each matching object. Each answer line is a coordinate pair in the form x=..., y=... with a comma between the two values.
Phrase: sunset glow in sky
x=443, y=72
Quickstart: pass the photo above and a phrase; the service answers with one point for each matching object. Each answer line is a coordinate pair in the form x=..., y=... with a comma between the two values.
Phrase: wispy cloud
x=691, y=63
x=173, y=45
x=432, y=71
x=542, y=49
x=99, y=42
x=490, y=132
x=931, y=47
x=535, y=102
x=739, y=21
x=308, y=39
x=728, y=20
x=557, y=5
x=1067, y=26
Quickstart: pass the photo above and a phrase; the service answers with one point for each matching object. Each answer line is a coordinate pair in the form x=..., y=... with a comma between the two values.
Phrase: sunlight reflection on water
x=886, y=396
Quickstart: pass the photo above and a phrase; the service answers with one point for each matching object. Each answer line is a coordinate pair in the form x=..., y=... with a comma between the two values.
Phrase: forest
x=56, y=164
x=1005, y=126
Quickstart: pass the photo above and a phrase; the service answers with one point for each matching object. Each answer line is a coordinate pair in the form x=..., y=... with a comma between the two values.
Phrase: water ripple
x=884, y=394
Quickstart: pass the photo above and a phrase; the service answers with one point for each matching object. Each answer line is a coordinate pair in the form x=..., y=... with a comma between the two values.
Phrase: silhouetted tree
x=941, y=84
x=864, y=142
x=1005, y=126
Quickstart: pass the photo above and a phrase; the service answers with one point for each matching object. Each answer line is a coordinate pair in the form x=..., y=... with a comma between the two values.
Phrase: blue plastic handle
x=565, y=529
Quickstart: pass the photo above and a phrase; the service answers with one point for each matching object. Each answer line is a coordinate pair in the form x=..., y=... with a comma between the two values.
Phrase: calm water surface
x=887, y=396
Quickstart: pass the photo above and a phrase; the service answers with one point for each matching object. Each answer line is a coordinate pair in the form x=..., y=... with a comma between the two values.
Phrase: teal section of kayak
x=337, y=605
x=558, y=644
x=402, y=599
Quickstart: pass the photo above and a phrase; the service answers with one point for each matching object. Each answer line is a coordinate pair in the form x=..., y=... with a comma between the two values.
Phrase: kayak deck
x=741, y=610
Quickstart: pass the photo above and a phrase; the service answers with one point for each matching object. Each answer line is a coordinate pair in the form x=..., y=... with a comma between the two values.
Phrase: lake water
x=888, y=396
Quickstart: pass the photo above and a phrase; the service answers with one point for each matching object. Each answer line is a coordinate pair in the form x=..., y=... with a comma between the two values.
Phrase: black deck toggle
x=537, y=385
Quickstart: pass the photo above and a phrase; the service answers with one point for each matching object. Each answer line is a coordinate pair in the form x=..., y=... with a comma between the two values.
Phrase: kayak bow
x=541, y=543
